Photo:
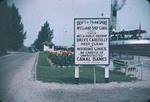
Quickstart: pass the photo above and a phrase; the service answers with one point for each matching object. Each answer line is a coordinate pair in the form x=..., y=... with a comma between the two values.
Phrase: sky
x=61, y=13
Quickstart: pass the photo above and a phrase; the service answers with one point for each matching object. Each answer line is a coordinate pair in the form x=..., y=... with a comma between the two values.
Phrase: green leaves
x=61, y=60
x=45, y=35
x=12, y=32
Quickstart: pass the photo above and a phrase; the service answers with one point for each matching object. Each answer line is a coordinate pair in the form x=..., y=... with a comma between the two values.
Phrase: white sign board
x=91, y=40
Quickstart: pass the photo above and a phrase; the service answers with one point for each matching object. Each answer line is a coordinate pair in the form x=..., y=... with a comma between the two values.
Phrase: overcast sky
x=61, y=13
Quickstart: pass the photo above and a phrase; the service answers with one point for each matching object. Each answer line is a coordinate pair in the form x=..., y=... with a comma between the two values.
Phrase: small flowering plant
x=62, y=58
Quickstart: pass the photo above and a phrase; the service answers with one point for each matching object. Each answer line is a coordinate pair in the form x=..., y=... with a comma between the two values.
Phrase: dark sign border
x=108, y=40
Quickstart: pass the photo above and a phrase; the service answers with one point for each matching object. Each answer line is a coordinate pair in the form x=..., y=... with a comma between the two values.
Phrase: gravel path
x=24, y=88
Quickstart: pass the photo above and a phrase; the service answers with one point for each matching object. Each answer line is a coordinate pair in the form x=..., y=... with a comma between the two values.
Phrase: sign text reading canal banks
x=91, y=40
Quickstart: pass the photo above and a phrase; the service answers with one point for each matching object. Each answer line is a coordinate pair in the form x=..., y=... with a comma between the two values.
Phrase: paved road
x=19, y=86
x=10, y=65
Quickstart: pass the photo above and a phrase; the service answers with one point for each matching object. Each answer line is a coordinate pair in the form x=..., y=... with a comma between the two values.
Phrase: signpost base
x=106, y=80
x=106, y=73
x=76, y=75
x=76, y=80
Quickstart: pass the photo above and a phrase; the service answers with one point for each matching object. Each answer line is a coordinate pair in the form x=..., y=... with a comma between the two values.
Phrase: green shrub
x=61, y=60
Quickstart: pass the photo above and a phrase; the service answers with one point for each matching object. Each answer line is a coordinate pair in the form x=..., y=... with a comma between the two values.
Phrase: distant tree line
x=12, y=33
x=44, y=35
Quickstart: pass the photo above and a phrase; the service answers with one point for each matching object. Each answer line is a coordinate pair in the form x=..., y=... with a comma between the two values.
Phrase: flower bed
x=62, y=59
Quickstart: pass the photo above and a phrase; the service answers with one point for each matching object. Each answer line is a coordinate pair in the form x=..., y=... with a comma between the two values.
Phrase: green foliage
x=46, y=34
x=12, y=34
x=61, y=59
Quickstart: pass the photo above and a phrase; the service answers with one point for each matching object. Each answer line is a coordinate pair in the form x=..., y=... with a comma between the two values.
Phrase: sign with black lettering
x=91, y=40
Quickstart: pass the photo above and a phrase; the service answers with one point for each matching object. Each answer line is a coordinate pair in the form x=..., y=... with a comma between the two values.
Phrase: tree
x=148, y=1
x=16, y=29
x=4, y=16
x=45, y=35
x=12, y=32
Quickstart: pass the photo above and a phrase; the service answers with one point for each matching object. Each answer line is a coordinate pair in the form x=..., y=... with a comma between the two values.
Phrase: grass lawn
x=49, y=73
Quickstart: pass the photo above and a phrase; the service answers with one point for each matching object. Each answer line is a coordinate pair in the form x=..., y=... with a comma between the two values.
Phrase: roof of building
x=130, y=32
